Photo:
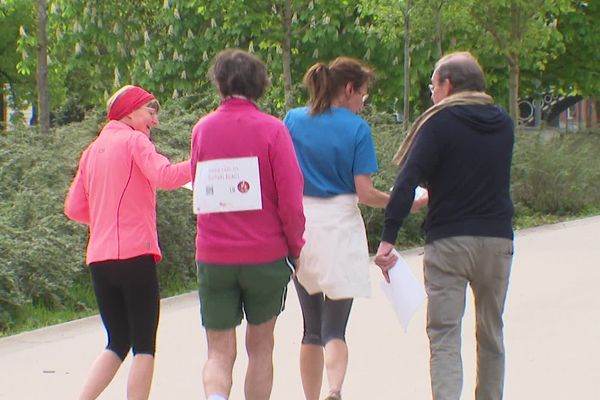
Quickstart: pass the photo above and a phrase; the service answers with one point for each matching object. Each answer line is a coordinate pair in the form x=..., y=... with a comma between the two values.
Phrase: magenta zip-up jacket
x=239, y=129
x=114, y=193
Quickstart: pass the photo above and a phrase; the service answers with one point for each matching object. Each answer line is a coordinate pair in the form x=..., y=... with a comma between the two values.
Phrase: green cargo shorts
x=259, y=290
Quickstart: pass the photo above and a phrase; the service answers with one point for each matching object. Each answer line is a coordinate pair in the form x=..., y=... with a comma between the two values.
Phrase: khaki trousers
x=449, y=265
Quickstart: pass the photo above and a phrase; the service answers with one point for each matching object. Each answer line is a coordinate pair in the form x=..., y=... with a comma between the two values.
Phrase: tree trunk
x=517, y=29
x=513, y=89
x=406, y=112
x=42, y=67
x=3, y=113
x=437, y=20
x=286, y=55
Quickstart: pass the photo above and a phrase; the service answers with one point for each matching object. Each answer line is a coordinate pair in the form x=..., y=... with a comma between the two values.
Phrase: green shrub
x=387, y=136
x=556, y=174
x=42, y=253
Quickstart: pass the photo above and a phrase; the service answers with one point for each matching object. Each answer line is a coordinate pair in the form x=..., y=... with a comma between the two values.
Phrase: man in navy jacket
x=461, y=150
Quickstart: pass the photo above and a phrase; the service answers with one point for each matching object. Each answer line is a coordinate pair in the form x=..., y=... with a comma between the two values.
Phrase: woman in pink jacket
x=114, y=193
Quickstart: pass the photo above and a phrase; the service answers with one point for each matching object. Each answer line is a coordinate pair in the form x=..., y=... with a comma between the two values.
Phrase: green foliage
x=556, y=173
x=186, y=35
x=31, y=316
x=42, y=253
x=166, y=46
x=387, y=136
x=97, y=44
x=577, y=69
x=15, y=16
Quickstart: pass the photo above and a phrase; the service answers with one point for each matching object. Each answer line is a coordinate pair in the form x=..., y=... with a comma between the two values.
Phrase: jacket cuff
x=389, y=234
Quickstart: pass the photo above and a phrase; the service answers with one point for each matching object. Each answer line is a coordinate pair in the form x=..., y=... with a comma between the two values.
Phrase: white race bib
x=228, y=184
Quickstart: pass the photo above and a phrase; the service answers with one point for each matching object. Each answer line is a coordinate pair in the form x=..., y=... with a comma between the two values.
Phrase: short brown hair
x=324, y=82
x=237, y=72
x=462, y=70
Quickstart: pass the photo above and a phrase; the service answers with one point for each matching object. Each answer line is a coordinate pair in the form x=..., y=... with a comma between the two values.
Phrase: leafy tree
x=288, y=35
x=97, y=44
x=391, y=24
x=577, y=69
x=166, y=46
x=520, y=31
x=16, y=16
x=408, y=22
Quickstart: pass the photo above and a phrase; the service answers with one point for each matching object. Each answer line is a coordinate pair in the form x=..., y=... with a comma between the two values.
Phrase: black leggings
x=128, y=299
x=324, y=319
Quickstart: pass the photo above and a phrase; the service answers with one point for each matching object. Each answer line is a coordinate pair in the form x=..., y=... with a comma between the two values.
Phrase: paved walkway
x=553, y=348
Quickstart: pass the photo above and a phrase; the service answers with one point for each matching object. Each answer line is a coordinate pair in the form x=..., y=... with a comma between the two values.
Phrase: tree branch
x=8, y=78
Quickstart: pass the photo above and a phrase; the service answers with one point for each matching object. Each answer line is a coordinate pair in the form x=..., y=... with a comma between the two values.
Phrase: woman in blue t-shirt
x=337, y=157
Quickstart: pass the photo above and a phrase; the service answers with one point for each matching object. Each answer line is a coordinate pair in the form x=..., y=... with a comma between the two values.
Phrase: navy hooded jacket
x=463, y=156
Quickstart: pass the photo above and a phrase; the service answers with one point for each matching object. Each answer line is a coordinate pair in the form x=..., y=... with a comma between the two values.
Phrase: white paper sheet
x=228, y=184
x=419, y=192
x=404, y=291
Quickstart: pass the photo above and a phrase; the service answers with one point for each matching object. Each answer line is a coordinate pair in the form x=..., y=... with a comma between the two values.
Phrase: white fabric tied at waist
x=335, y=258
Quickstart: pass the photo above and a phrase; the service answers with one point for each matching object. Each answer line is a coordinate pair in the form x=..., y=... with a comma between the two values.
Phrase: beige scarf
x=458, y=99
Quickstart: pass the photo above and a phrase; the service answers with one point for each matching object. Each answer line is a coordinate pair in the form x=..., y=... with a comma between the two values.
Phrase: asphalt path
x=552, y=337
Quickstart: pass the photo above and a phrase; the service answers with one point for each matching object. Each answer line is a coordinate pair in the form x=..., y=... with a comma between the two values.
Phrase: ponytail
x=325, y=82
x=318, y=82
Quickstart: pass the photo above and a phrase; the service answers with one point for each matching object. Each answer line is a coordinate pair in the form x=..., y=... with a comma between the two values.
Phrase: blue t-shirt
x=332, y=148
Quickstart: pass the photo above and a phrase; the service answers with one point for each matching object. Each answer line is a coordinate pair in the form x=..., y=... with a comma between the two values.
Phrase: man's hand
x=385, y=259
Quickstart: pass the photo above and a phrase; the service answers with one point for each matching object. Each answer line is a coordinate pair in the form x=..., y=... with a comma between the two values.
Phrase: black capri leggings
x=128, y=300
x=324, y=319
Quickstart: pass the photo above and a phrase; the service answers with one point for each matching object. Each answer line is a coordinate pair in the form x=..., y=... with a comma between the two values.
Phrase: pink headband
x=128, y=101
